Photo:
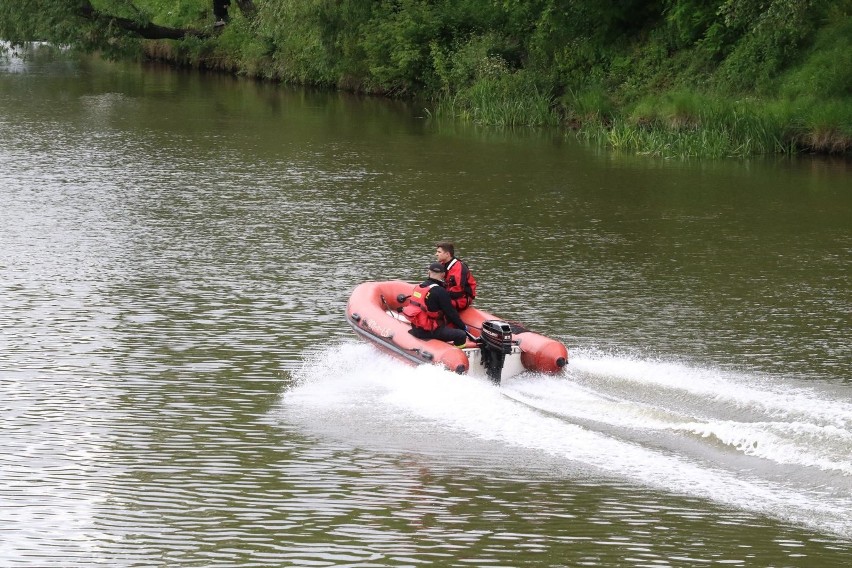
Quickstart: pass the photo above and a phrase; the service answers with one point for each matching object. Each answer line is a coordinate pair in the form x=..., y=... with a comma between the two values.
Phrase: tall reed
x=685, y=125
x=503, y=100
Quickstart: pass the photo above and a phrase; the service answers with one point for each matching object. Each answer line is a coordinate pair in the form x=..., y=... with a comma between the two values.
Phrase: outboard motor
x=496, y=344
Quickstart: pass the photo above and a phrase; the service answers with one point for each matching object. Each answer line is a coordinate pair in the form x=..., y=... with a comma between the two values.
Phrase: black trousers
x=443, y=333
x=220, y=9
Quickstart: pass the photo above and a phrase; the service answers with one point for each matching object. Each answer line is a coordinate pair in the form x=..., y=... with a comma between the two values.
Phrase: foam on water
x=737, y=440
x=778, y=420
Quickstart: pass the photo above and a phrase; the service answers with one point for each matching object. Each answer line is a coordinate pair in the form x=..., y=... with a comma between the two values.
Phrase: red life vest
x=460, y=284
x=417, y=312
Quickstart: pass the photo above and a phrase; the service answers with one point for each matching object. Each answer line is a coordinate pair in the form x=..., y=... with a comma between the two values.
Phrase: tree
x=105, y=25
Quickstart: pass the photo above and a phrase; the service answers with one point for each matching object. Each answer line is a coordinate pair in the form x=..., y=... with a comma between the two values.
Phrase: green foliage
x=176, y=14
x=676, y=110
x=42, y=20
x=686, y=125
x=687, y=21
x=668, y=77
x=92, y=26
x=314, y=41
x=826, y=67
x=396, y=46
x=298, y=51
x=502, y=98
x=772, y=34
x=238, y=49
x=588, y=105
x=461, y=64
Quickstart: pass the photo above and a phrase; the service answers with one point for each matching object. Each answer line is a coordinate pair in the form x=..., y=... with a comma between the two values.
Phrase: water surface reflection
x=176, y=252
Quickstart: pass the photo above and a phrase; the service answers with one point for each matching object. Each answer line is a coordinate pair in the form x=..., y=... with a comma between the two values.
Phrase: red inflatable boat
x=499, y=349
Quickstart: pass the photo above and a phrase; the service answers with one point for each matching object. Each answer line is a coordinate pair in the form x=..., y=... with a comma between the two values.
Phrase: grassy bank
x=675, y=78
x=806, y=107
x=692, y=125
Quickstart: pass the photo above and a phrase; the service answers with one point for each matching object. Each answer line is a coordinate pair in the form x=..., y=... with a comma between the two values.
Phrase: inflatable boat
x=496, y=349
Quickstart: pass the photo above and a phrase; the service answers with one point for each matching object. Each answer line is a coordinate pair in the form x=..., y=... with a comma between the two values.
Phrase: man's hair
x=447, y=246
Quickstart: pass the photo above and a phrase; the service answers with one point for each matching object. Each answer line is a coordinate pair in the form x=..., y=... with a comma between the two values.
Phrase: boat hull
x=373, y=311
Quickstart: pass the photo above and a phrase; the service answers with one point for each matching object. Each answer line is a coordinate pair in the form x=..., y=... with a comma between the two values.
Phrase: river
x=179, y=387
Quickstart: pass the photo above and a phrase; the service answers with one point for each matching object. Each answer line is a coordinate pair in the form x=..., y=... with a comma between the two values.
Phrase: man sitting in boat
x=460, y=282
x=430, y=308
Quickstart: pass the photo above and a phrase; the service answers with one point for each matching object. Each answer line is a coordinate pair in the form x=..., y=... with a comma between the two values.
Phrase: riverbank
x=693, y=81
x=678, y=78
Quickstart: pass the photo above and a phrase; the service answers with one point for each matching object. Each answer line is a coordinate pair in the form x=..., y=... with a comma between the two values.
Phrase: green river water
x=179, y=387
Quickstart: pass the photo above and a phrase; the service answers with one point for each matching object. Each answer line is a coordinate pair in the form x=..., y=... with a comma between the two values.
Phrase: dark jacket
x=439, y=300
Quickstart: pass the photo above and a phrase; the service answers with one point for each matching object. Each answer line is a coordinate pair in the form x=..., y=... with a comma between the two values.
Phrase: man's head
x=437, y=270
x=445, y=251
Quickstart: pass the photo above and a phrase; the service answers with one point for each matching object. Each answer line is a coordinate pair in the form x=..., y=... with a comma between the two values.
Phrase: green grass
x=503, y=100
x=687, y=125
